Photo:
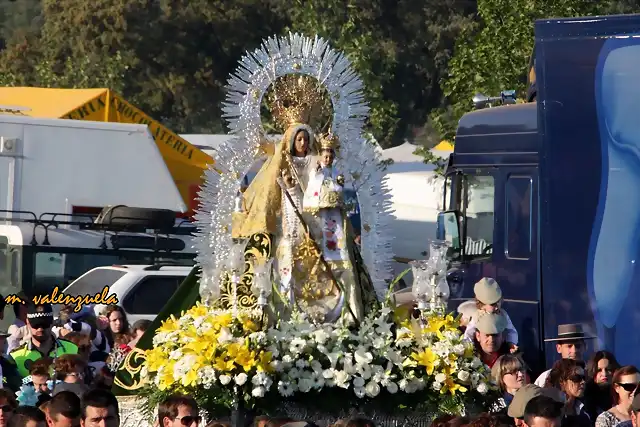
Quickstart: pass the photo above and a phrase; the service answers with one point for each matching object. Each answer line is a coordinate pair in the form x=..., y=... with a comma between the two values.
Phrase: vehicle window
x=151, y=294
x=94, y=281
x=518, y=203
x=60, y=269
x=479, y=215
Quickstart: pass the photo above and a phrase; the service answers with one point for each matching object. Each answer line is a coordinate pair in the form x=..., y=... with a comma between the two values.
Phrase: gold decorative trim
x=132, y=364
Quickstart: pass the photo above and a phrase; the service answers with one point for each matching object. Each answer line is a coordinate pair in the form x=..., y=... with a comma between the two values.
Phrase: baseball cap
x=528, y=392
x=491, y=323
x=487, y=291
x=521, y=398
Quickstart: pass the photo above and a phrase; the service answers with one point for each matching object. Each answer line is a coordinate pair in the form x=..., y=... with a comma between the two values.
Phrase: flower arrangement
x=222, y=359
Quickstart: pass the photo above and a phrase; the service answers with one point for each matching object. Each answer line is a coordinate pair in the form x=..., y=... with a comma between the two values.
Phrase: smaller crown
x=329, y=141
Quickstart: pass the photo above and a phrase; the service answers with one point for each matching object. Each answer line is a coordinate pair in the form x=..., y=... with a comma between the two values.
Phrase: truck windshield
x=60, y=268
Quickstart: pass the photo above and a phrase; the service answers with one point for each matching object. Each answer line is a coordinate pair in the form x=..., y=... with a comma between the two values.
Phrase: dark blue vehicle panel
x=589, y=99
x=566, y=211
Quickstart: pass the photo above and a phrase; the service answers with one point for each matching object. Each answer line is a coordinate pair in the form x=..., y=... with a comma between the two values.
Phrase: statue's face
x=326, y=158
x=301, y=143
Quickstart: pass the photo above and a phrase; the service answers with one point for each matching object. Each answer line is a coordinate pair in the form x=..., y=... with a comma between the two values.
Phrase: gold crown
x=295, y=99
x=329, y=141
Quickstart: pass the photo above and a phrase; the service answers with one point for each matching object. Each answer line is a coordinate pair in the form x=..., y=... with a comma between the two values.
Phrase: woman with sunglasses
x=624, y=382
x=568, y=376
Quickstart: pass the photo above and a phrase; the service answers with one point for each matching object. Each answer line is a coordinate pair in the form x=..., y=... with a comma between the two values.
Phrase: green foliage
x=400, y=49
x=493, y=55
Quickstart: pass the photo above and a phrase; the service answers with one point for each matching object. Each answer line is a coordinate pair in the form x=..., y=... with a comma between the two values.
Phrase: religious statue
x=296, y=197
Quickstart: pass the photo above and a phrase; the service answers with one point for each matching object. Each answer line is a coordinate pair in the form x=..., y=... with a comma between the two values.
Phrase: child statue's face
x=326, y=158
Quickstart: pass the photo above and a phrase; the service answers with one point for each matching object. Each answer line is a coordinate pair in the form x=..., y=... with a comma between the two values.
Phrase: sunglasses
x=577, y=378
x=628, y=386
x=515, y=371
x=6, y=408
x=189, y=420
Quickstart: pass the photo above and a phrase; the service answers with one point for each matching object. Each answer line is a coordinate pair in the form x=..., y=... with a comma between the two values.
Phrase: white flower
x=440, y=377
x=360, y=392
x=241, y=378
x=297, y=345
x=482, y=388
x=321, y=336
x=362, y=356
x=464, y=376
x=301, y=363
x=476, y=363
x=392, y=388
x=372, y=389
x=436, y=386
x=328, y=373
x=258, y=392
x=333, y=358
x=316, y=366
x=285, y=389
x=403, y=384
x=224, y=379
x=458, y=349
x=358, y=382
x=175, y=354
x=305, y=385
x=225, y=336
x=318, y=382
x=342, y=379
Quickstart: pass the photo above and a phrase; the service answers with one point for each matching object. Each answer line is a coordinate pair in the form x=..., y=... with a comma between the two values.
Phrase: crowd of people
x=575, y=392
x=61, y=368
x=58, y=371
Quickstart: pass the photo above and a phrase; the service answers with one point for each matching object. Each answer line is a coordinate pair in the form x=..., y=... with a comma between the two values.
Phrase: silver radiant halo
x=358, y=159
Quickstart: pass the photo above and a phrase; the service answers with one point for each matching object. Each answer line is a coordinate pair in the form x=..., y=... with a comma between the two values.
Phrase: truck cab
x=543, y=196
x=491, y=218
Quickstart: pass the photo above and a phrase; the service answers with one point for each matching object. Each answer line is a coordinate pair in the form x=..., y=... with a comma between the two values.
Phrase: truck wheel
x=125, y=217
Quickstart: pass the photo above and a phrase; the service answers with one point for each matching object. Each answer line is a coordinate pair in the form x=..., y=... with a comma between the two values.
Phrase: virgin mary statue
x=308, y=273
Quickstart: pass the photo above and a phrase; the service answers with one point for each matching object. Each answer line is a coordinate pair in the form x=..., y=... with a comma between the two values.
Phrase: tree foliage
x=493, y=55
x=172, y=57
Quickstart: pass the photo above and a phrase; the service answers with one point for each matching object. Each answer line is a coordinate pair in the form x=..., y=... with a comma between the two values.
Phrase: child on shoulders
x=489, y=300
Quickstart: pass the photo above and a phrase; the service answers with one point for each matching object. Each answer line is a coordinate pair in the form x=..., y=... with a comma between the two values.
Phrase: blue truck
x=544, y=196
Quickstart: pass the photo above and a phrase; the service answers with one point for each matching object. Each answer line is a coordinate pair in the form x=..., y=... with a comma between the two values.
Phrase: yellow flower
x=450, y=385
x=169, y=325
x=264, y=361
x=221, y=364
x=426, y=358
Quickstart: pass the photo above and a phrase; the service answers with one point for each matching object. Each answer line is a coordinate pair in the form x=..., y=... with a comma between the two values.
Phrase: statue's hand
x=288, y=179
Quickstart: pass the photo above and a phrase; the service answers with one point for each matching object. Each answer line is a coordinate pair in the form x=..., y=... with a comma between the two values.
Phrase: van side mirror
x=449, y=230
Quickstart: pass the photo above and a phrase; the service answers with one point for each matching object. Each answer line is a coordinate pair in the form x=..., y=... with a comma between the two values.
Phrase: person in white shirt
x=489, y=300
x=570, y=344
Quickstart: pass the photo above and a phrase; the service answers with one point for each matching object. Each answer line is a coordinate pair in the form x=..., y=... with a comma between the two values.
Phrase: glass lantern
x=262, y=280
x=421, y=288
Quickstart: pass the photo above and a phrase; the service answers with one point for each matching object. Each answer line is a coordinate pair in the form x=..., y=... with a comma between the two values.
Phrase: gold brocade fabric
x=263, y=197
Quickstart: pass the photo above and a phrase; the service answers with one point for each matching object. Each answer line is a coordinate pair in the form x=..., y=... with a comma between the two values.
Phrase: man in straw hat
x=570, y=344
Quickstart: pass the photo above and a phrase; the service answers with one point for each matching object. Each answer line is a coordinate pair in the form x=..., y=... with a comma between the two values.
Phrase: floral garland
x=382, y=361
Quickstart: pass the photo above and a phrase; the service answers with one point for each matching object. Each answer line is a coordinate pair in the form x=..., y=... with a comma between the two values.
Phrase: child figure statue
x=325, y=188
